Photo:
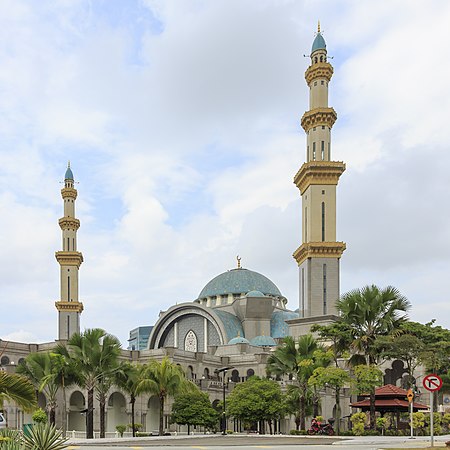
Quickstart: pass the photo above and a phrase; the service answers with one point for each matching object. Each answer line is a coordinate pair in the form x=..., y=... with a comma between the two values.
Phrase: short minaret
x=318, y=256
x=69, y=259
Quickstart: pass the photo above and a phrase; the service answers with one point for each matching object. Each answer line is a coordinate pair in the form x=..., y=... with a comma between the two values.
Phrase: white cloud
x=185, y=141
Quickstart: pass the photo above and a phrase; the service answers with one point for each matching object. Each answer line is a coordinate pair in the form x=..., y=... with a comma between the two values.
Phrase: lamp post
x=223, y=371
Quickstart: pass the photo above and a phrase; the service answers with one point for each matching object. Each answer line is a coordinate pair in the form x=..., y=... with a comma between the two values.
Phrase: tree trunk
x=102, y=400
x=90, y=415
x=133, y=401
x=338, y=409
x=297, y=422
x=315, y=405
x=64, y=408
x=52, y=415
x=302, y=413
x=270, y=426
x=372, y=409
x=161, y=415
x=189, y=429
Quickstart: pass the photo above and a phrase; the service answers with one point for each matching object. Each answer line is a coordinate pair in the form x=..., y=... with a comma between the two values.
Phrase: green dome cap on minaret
x=319, y=41
x=69, y=174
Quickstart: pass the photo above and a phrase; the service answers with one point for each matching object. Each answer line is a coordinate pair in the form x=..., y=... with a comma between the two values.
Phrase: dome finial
x=238, y=261
x=318, y=26
x=68, y=164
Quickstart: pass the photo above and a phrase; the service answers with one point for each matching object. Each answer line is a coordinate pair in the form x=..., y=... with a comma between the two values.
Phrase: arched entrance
x=77, y=421
x=152, y=420
x=117, y=414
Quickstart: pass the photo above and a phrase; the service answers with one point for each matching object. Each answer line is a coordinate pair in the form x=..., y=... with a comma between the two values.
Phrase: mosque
x=240, y=316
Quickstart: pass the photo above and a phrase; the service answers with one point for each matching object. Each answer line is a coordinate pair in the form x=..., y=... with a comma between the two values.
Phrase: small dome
x=239, y=281
x=238, y=340
x=255, y=294
x=263, y=341
x=319, y=43
x=69, y=174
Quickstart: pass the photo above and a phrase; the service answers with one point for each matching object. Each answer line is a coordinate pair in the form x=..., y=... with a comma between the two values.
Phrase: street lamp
x=223, y=371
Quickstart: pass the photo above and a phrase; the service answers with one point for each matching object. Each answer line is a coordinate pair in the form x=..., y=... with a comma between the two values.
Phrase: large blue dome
x=239, y=281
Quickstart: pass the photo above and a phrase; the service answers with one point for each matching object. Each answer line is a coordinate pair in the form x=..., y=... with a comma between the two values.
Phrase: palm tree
x=39, y=368
x=298, y=359
x=17, y=388
x=128, y=378
x=371, y=312
x=163, y=379
x=94, y=354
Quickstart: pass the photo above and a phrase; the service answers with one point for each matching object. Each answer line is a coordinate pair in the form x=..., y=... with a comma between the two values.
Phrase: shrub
x=371, y=433
x=39, y=416
x=137, y=426
x=298, y=432
x=121, y=429
x=44, y=437
x=358, y=420
x=142, y=434
x=381, y=424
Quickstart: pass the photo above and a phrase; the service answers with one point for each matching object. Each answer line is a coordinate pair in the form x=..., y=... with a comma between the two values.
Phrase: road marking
x=136, y=448
x=72, y=447
x=200, y=448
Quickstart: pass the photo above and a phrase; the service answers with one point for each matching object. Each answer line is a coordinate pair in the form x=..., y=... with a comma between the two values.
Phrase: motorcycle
x=321, y=429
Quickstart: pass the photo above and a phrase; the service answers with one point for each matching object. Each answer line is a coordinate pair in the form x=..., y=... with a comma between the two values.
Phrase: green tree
x=371, y=312
x=337, y=338
x=17, y=388
x=163, y=379
x=41, y=368
x=256, y=400
x=298, y=359
x=94, y=355
x=128, y=378
x=292, y=401
x=335, y=378
x=367, y=379
x=194, y=408
x=407, y=348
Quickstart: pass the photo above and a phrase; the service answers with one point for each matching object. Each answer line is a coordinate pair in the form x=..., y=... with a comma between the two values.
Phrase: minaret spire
x=318, y=256
x=318, y=26
x=69, y=259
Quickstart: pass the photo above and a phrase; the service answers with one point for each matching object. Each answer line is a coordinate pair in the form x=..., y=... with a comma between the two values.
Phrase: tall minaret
x=318, y=256
x=69, y=308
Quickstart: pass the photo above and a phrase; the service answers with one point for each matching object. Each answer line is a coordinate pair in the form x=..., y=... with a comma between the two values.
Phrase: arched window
x=324, y=289
x=206, y=373
x=315, y=59
x=190, y=342
x=321, y=58
x=235, y=376
x=250, y=373
x=5, y=360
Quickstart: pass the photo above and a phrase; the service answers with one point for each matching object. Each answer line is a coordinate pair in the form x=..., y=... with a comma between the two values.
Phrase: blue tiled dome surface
x=278, y=327
x=239, y=281
x=263, y=341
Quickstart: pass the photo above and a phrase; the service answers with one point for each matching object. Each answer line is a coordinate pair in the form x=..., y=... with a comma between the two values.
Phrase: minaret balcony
x=317, y=117
x=318, y=70
x=318, y=173
x=319, y=250
x=69, y=223
x=68, y=192
x=69, y=306
x=69, y=258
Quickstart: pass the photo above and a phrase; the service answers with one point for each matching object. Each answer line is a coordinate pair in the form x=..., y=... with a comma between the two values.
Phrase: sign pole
x=411, y=419
x=431, y=419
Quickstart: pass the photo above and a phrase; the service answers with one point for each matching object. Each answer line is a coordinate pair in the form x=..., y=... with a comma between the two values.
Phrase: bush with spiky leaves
x=44, y=437
x=10, y=439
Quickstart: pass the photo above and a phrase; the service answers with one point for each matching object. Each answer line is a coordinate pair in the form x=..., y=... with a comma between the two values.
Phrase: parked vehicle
x=321, y=428
x=2, y=421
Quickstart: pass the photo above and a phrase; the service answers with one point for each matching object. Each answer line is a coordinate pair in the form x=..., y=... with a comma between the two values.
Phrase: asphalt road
x=254, y=442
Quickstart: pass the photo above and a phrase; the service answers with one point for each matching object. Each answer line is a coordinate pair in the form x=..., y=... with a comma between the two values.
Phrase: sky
x=181, y=123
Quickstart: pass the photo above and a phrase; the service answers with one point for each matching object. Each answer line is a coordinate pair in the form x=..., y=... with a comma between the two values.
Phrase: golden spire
x=238, y=261
x=68, y=164
x=318, y=26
